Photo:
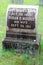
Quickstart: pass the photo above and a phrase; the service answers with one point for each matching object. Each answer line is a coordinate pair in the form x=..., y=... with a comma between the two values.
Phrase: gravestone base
x=22, y=46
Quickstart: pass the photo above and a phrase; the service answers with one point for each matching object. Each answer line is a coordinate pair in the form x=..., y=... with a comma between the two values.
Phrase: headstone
x=17, y=1
x=12, y=1
x=21, y=30
x=41, y=2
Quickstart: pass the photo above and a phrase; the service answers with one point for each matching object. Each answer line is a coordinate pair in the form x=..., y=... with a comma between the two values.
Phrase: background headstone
x=41, y=2
x=17, y=1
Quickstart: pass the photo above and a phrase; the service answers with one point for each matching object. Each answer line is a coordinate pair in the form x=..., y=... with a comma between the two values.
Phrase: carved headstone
x=21, y=30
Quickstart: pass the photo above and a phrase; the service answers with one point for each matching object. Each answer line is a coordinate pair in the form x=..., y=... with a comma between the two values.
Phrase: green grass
x=10, y=57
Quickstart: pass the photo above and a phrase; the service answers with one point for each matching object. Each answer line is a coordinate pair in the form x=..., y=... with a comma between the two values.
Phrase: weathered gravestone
x=21, y=30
